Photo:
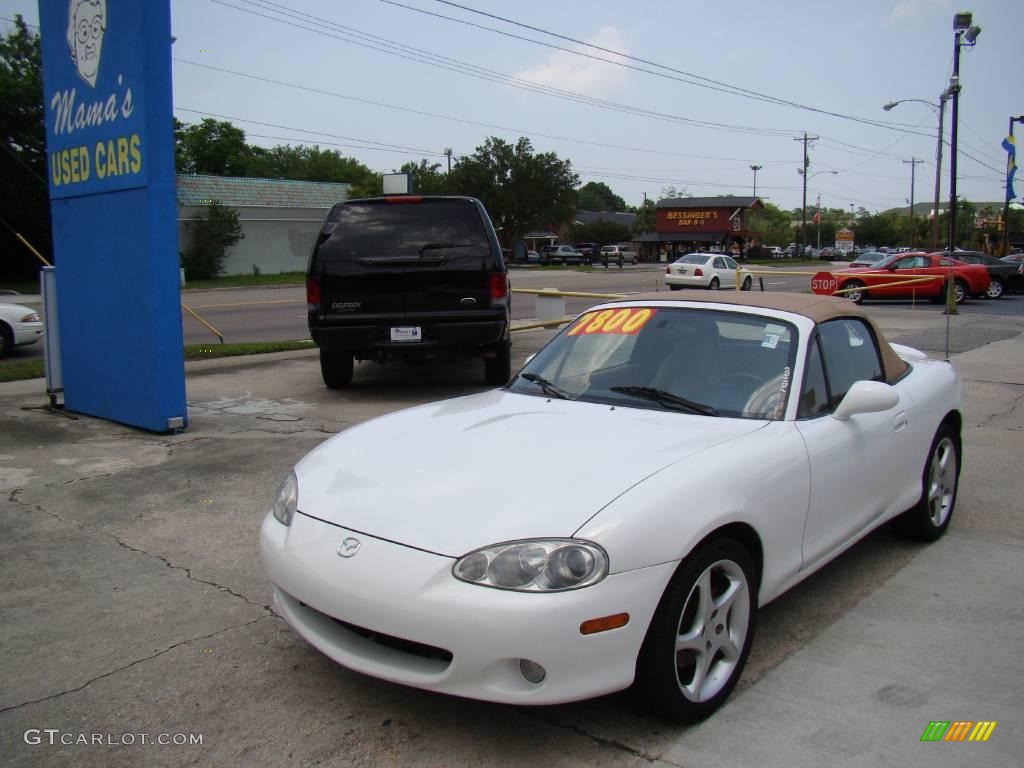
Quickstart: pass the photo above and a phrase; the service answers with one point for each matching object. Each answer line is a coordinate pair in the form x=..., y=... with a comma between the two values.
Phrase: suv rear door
x=404, y=256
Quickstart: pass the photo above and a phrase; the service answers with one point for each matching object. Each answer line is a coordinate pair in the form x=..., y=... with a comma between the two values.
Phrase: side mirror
x=866, y=397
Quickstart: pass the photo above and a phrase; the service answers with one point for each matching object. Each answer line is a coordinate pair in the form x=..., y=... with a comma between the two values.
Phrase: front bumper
x=444, y=635
x=27, y=333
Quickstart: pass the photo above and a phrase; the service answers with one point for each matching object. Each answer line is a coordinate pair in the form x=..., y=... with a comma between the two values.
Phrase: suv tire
x=498, y=369
x=336, y=368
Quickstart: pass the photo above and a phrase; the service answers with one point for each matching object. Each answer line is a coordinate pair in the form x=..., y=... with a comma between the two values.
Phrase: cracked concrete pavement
x=134, y=602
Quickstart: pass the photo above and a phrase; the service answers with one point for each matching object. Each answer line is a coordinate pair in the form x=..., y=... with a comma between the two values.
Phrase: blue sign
x=110, y=147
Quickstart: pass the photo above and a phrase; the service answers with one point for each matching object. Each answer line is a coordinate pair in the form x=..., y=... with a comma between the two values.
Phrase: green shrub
x=211, y=237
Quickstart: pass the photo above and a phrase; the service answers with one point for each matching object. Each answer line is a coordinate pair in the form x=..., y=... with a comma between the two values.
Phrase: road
x=278, y=314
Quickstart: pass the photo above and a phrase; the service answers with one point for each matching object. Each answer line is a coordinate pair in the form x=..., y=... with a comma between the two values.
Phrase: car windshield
x=872, y=257
x=693, y=258
x=685, y=360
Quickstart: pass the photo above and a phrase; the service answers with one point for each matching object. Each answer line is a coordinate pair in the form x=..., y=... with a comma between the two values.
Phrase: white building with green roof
x=280, y=218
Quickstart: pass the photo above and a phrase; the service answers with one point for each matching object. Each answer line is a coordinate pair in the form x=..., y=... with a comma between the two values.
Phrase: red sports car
x=876, y=282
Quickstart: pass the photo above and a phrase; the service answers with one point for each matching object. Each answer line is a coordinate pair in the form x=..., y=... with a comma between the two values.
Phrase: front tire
x=6, y=339
x=336, y=368
x=700, y=635
x=498, y=369
x=930, y=517
x=748, y=283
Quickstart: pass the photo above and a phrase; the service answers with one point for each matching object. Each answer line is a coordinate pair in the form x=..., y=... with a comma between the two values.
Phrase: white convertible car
x=706, y=454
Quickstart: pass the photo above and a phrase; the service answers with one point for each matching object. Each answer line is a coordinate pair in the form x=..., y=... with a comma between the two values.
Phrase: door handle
x=900, y=421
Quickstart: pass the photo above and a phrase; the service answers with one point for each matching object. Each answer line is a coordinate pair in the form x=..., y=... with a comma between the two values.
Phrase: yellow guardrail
x=217, y=333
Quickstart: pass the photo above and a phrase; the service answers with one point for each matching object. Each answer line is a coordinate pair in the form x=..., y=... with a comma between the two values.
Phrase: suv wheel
x=498, y=369
x=336, y=368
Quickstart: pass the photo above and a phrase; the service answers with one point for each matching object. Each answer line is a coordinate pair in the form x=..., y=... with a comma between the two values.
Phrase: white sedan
x=706, y=270
x=754, y=437
x=18, y=326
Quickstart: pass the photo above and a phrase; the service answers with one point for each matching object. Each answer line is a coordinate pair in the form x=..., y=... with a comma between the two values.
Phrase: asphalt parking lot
x=134, y=603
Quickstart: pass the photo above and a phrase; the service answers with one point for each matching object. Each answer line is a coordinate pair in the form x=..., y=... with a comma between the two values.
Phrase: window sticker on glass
x=855, y=338
x=627, y=321
x=772, y=336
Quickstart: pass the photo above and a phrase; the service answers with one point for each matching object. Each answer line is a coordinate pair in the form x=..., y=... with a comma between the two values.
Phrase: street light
x=940, y=108
x=755, y=169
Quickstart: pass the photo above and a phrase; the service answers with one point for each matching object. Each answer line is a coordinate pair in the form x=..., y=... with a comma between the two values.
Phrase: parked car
x=562, y=254
x=827, y=254
x=19, y=326
x=876, y=282
x=868, y=259
x=621, y=254
x=651, y=575
x=408, y=277
x=1003, y=276
x=706, y=270
x=776, y=252
x=588, y=250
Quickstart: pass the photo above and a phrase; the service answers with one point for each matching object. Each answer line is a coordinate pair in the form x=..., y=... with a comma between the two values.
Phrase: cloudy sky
x=641, y=96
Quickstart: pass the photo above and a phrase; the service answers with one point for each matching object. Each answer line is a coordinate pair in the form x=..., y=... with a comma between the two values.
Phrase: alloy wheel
x=942, y=476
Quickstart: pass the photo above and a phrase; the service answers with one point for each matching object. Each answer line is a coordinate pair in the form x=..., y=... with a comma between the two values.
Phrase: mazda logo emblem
x=348, y=547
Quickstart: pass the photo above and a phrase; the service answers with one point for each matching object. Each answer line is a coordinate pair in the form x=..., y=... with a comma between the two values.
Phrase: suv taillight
x=312, y=291
x=497, y=286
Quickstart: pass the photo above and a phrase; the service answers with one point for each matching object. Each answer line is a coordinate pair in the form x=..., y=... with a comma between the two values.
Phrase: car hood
x=453, y=476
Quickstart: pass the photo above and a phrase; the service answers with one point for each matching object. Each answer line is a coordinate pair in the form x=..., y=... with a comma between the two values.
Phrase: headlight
x=547, y=565
x=31, y=317
x=287, y=499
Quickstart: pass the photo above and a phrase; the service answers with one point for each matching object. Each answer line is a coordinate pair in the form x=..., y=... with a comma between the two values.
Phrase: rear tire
x=930, y=517
x=857, y=297
x=995, y=289
x=672, y=287
x=700, y=635
x=713, y=285
x=336, y=368
x=498, y=369
x=960, y=291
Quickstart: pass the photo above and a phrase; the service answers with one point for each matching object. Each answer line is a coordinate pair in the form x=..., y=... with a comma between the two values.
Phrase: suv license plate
x=407, y=333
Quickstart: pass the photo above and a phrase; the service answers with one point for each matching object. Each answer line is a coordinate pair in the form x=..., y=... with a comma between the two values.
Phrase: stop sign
x=824, y=284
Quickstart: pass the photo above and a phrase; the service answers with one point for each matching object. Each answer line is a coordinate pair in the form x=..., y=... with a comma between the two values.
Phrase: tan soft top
x=817, y=308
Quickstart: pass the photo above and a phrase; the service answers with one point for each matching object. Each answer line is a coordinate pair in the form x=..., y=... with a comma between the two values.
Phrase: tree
x=645, y=217
x=600, y=232
x=772, y=225
x=23, y=185
x=521, y=190
x=215, y=147
x=211, y=238
x=598, y=196
x=427, y=178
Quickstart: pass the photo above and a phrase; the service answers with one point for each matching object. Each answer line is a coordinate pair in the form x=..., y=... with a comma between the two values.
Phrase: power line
x=722, y=86
x=374, y=42
x=452, y=118
x=381, y=146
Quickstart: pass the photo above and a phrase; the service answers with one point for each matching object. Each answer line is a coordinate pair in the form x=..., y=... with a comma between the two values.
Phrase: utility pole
x=448, y=153
x=934, y=244
x=1006, y=204
x=913, y=162
x=755, y=169
x=803, y=172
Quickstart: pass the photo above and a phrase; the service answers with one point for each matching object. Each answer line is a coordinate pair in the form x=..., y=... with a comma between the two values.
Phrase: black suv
x=408, y=277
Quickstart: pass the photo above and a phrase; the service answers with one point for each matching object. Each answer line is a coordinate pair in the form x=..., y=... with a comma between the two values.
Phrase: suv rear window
x=357, y=230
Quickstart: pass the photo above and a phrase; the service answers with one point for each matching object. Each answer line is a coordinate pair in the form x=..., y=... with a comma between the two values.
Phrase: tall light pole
x=1006, y=204
x=941, y=109
x=756, y=168
x=914, y=162
x=964, y=33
